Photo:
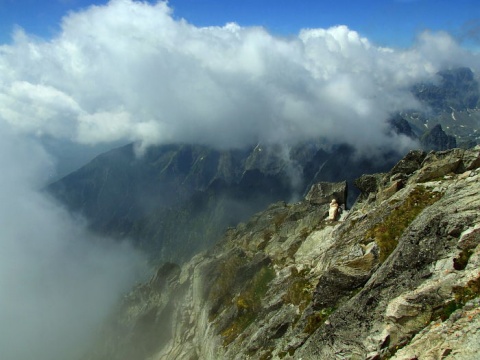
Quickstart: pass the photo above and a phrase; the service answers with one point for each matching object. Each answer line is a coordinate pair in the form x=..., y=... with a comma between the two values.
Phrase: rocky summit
x=397, y=276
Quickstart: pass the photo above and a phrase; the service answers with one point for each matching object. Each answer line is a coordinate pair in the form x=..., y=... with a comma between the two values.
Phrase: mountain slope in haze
x=456, y=89
x=177, y=199
x=453, y=102
x=395, y=277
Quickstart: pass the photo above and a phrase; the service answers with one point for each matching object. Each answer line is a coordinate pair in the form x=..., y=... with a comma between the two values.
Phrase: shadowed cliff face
x=396, y=276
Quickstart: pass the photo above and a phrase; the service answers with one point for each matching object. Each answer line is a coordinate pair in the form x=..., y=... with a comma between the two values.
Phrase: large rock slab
x=439, y=164
x=323, y=192
x=410, y=163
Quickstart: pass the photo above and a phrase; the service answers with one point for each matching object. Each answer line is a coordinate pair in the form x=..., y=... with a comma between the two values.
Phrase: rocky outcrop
x=396, y=276
x=436, y=139
x=323, y=192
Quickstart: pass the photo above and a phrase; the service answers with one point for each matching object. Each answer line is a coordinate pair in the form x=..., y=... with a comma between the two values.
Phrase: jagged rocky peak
x=394, y=277
x=451, y=101
x=436, y=139
x=401, y=126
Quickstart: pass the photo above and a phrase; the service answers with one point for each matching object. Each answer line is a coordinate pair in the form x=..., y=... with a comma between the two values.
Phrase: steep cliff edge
x=397, y=276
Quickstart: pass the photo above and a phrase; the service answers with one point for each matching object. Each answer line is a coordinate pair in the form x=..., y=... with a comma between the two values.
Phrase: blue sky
x=384, y=22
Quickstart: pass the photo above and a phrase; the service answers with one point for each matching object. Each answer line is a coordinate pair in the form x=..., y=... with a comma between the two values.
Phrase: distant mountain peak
x=456, y=89
x=436, y=139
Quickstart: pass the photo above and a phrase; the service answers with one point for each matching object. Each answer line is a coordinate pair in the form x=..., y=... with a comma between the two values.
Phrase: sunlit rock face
x=396, y=276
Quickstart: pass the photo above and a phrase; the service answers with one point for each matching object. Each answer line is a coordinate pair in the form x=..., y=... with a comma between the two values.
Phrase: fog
x=58, y=282
x=130, y=71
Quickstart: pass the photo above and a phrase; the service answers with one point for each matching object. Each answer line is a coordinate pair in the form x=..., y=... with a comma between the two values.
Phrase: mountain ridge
x=395, y=277
x=204, y=190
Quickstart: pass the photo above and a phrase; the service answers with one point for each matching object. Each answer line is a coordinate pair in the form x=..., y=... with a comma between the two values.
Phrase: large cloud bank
x=131, y=71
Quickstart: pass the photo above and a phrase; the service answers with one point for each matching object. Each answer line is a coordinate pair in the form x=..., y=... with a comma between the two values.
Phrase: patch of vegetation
x=445, y=312
x=387, y=233
x=461, y=296
x=467, y=293
x=279, y=219
x=239, y=324
x=248, y=304
x=220, y=291
x=316, y=320
x=299, y=290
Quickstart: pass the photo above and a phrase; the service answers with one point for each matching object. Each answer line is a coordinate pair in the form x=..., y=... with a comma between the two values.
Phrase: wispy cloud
x=470, y=32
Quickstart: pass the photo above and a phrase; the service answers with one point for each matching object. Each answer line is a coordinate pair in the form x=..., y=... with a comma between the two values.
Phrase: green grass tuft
x=248, y=304
x=316, y=320
x=387, y=233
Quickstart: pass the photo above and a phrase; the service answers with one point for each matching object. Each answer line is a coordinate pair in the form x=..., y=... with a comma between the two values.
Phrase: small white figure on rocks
x=333, y=211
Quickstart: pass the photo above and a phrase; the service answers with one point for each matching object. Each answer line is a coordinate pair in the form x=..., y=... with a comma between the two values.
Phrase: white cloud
x=40, y=109
x=128, y=70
